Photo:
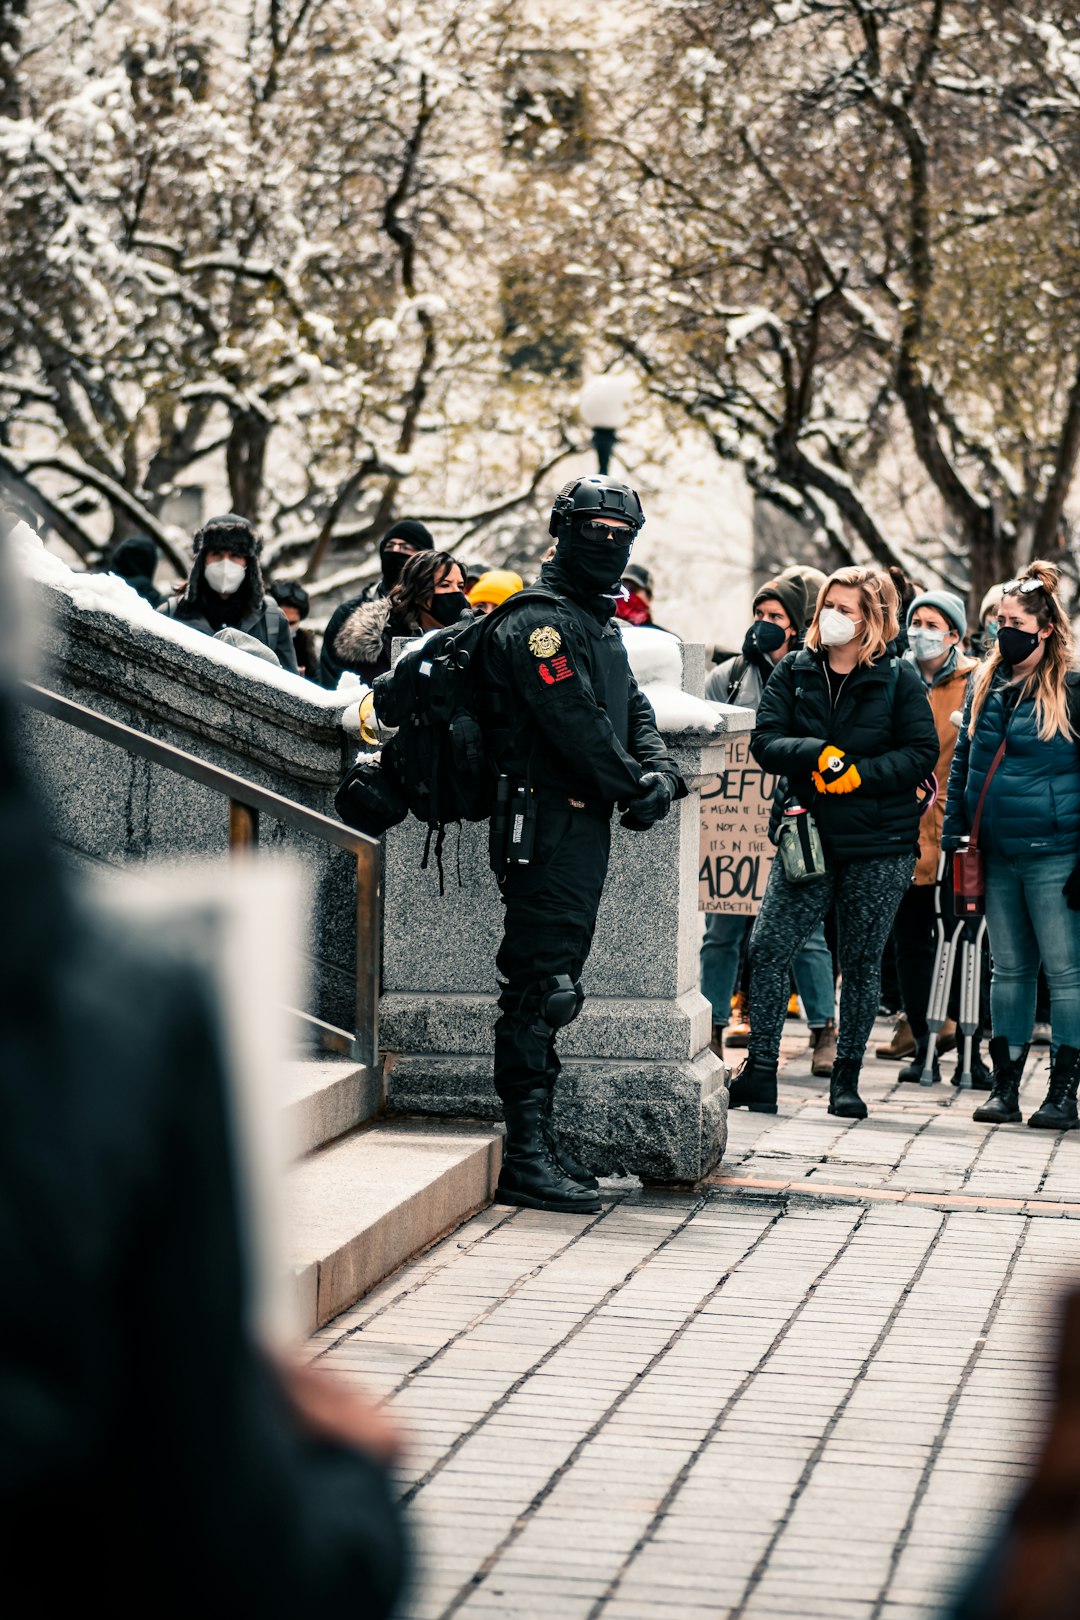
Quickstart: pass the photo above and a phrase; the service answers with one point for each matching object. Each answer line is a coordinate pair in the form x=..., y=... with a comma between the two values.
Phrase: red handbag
x=969, y=866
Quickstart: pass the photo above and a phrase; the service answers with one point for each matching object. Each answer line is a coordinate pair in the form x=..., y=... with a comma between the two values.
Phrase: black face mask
x=764, y=637
x=1016, y=645
x=598, y=564
x=446, y=607
x=393, y=564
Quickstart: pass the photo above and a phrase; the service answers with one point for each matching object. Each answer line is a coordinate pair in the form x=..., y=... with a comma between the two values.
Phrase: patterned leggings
x=867, y=894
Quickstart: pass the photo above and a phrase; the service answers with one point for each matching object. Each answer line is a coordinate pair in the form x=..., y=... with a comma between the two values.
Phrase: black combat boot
x=565, y=1161
x=912, y=1071
x=754, y=1087
x=1058, y=1112
x=529, y=1174
x=1002, y=1107
x=844, y=1099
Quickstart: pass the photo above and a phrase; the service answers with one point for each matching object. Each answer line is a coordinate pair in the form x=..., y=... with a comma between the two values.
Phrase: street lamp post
x=603, y=406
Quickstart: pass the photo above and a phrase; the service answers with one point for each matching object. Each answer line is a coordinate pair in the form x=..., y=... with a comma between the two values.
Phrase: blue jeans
x=1027, y=919
x=720, y=950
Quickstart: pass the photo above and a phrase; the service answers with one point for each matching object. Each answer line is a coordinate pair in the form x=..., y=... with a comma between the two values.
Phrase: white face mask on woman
x=836, y=629
x=225, y=576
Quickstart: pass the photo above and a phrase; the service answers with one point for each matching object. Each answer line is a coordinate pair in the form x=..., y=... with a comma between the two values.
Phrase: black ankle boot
x=1058, y=1112
x=754, y=1087
x=530, y=1175
x=912, y=1071
x=844, y=1099
x=1002, y=1107
x=565, y=1161
x=981, y=1078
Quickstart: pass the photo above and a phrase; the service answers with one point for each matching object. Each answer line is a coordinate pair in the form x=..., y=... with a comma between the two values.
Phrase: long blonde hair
x=1047, y=680
x=880, y=610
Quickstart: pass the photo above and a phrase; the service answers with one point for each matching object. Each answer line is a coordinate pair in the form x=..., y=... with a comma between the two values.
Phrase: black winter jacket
x=882, y=722
x=569, y=713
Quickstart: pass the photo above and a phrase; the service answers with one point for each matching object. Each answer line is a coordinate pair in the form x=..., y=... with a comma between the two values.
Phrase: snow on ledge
x=108, y=593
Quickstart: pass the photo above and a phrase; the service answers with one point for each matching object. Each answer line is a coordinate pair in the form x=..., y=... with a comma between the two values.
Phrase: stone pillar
x=641, y=1091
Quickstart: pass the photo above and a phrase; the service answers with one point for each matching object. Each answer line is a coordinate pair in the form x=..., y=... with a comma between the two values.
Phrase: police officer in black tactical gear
x=573, y=736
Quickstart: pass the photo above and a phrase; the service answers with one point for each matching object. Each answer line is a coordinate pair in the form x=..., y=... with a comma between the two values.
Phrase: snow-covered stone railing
x=104, y=646
x=643, y=1092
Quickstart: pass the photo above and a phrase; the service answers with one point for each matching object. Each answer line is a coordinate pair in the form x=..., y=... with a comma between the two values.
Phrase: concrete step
x=327, y=1096
x=362, y=1206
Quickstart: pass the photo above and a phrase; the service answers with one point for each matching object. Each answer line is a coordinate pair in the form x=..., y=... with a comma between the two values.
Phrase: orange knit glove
x=835, y=774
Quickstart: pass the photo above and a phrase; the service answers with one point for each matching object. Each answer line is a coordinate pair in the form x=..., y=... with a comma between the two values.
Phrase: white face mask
x=926, y=644
x=836, y=629
x=225, y=576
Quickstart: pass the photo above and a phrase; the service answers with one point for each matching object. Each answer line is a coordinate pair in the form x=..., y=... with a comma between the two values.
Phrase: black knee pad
x=549, y=1004
x=561, y=999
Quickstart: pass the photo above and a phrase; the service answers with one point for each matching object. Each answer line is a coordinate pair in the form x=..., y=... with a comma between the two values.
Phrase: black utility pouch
x=499, y=828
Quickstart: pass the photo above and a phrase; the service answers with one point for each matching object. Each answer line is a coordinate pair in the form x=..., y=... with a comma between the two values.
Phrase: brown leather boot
x=738, y=1031
x=823, y=1042
x=902, y=1044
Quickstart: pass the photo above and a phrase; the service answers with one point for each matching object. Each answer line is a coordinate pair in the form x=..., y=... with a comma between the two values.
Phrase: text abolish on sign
x=735, y=853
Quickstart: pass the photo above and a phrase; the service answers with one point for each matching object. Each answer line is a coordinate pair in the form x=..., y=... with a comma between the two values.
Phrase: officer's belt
x=568, y=801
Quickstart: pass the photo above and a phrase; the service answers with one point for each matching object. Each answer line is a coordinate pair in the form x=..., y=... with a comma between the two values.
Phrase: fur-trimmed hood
x=234, y=534
x=360, y=639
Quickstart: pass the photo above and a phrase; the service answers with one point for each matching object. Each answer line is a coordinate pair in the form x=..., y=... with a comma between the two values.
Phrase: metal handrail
x=246, y=801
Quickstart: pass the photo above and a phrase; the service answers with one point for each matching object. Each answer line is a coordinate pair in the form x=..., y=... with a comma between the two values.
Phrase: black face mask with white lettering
x=1016, y=645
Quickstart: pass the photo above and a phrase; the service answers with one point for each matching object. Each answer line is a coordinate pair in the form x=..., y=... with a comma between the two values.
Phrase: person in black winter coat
x=225, y=589
x=135, y=560
x=151, y=1457
x=847, y=722
x=400, y=542
x=430, y=594
x=572, y=732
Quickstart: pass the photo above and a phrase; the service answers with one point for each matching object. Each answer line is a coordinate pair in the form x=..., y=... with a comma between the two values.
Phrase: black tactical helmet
x=595, y=494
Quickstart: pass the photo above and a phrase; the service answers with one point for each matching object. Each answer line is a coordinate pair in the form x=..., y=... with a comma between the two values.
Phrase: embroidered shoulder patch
x=544, y=641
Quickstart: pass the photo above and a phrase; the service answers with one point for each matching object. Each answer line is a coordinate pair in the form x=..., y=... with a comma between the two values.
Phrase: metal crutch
x=970, y=993
x=944, y=963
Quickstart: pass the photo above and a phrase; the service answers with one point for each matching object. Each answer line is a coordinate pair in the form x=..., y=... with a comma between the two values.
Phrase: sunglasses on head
x=1021, y=587
x=601, y=529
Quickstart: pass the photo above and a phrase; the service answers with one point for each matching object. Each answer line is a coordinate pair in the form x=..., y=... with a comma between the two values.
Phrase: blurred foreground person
x=151, y=1458
x=1032, y=1571
x=225, y=589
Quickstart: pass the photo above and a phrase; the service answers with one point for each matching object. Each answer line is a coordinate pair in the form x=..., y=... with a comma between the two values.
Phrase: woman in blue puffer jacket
x=1026, y=695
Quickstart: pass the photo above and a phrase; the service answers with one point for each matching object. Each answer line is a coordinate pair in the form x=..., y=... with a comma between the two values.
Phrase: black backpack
x=439, y=761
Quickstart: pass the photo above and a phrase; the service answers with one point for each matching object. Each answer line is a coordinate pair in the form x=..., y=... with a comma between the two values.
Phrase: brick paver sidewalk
x=807, y=1389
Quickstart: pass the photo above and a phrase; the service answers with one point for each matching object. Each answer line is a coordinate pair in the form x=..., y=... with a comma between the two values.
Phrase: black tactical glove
x=1071, y=889
x=651, y=805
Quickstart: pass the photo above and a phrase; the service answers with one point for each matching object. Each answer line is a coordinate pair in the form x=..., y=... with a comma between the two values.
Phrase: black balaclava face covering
x=597, y=564
x=446, y=607
x=1016, y=645
x=393, y=562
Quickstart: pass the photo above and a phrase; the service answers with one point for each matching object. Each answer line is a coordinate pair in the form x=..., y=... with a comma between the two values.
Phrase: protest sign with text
x=735, y=852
